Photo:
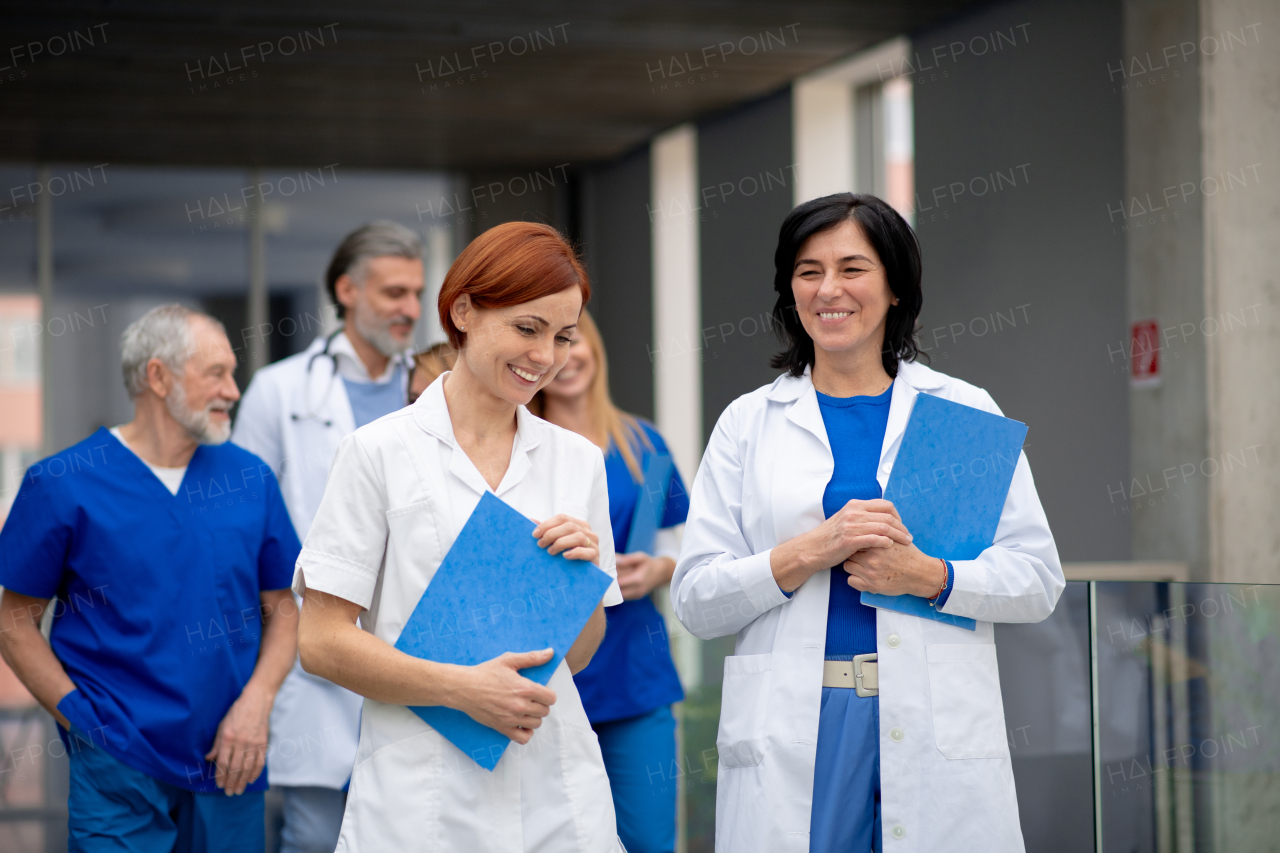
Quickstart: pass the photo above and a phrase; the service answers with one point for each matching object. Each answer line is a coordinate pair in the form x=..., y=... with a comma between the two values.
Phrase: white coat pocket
x=744, y=700
x=968, y=713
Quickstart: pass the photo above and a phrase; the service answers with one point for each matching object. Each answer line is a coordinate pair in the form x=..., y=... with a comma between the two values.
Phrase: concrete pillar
x=676, y=351
x=1201, y=213
x=676, y=356
x=1168, y=421
x=438, y=258
x=1240, y=122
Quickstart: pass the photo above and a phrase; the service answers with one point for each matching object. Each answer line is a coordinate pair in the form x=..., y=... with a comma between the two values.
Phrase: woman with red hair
x=400, y=490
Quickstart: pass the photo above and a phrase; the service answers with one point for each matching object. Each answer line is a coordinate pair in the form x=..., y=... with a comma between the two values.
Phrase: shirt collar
x=431, y=414
x=351, y=367
x=787, y=388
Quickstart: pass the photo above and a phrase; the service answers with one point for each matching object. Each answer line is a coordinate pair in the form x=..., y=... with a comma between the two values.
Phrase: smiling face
x=384, y=304
x=515, y=352
x=574, y=379
x=201, y=396
x=842, y=293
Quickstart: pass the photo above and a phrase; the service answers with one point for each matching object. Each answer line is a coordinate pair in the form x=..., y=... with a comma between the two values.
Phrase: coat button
x=899, y=830
x=896, y=734
x=893, y=641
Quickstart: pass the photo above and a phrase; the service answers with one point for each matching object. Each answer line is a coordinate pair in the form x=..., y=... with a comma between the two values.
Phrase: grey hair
x=163, y=333
x=378, y=239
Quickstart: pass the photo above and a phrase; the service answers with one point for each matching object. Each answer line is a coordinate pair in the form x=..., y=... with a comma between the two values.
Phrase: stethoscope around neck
x=312, y=414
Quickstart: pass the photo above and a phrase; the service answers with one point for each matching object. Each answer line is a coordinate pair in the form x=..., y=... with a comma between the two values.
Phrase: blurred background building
x=1094, y=185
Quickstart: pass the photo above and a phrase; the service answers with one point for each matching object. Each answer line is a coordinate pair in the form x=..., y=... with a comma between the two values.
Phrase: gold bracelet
x=943, y=588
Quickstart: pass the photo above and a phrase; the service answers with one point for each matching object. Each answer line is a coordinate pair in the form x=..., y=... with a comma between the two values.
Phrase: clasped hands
x=874, y=546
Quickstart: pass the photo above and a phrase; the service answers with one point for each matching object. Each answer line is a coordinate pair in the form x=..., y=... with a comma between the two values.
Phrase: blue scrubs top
x=632, y=672
x=158, y=620
x=855, y=428
x=372, y=400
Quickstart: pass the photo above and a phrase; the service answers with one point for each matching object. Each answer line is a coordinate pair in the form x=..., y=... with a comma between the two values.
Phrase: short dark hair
x=378, y=239
x=899, y=251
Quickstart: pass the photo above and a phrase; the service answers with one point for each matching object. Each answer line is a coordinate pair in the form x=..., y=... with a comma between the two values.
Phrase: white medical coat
x=294, y=419
x=399, y=493
x=946, y=780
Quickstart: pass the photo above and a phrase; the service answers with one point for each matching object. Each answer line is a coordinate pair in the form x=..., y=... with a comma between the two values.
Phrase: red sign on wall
x=1144, y=355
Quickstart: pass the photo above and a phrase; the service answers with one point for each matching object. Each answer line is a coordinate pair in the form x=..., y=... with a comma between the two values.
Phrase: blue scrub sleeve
x=35, y=540
x=280, y=545
x=941, y=600
x=677, y=509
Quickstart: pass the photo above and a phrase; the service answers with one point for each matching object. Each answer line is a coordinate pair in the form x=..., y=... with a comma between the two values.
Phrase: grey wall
x=613, y=221
x=1025, y=285
x=746, y=184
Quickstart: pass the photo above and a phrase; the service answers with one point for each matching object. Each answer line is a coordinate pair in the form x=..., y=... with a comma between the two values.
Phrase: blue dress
x=630, y=684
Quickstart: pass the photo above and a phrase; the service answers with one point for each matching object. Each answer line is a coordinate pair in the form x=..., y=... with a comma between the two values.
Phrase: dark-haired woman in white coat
x=787, y=527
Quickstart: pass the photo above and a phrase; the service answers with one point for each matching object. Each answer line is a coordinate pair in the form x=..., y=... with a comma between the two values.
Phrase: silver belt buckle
x=866, y=682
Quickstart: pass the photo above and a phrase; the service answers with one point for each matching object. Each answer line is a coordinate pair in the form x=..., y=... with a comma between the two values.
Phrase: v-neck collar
x=431, y=413
x=801, y=399
x=155, y=483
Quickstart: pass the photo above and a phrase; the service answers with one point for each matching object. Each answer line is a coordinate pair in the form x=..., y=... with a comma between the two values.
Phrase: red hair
x=510, y=264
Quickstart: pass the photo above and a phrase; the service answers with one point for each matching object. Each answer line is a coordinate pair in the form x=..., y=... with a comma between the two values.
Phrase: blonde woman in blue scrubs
x=630, y=684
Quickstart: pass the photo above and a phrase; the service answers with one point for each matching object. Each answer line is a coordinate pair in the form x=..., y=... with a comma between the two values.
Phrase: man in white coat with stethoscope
x=845, y=728
x=294, y=414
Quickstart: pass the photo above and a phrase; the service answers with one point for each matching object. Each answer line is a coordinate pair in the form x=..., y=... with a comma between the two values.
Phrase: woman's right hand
x=858, y=525
x=498, y=696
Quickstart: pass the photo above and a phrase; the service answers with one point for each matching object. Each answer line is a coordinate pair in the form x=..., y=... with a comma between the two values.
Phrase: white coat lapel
x=801, y=459
x=528, y=435
x=900, y=406
x=431, y=413
x=804, y=413
x=326, y=396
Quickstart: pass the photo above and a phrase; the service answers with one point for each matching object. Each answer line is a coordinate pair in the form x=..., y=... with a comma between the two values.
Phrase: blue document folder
x=949, y=484
x=651, y=504
x=495, y=592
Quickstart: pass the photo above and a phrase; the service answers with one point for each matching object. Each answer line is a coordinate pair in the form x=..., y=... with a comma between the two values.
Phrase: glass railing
x=1142, y=717
x=1188, y=708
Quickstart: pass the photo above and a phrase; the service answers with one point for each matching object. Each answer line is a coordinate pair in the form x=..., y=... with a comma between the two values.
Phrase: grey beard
x=378, y=334
x=197, y=424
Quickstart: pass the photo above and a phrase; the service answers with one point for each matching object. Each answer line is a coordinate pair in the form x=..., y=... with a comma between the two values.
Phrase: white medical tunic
x=399, y=493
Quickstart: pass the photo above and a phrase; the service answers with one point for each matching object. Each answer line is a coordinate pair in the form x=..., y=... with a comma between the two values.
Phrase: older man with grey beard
x=168, y=553
x=293, y=415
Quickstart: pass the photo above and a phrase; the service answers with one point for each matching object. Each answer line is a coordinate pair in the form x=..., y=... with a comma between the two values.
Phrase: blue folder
x=949, y=484
x=495, y=592
x=651, y=504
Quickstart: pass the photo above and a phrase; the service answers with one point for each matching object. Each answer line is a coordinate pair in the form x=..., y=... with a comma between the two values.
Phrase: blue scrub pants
x=846, y=777
x=639, y=754
x=113, y=807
